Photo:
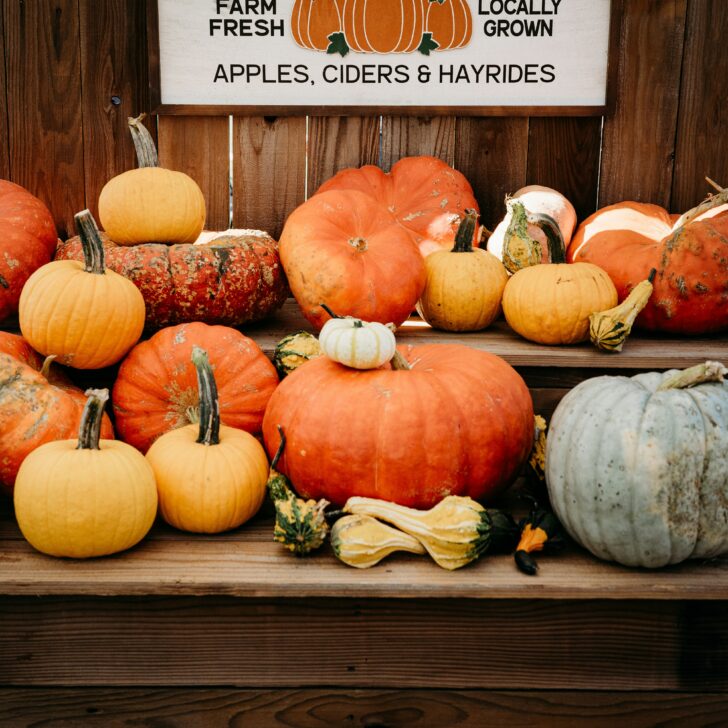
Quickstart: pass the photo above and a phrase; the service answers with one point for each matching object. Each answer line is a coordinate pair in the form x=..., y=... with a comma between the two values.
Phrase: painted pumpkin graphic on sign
x=314, y=21
x=450, y=22
x=384, y=26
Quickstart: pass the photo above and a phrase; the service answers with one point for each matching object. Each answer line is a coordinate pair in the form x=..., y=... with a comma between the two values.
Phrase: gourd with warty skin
x=637, y=468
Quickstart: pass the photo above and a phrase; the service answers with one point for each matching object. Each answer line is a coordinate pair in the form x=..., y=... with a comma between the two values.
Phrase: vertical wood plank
x=492, y=153
x=335, y=143
x=702, y=144
x=639, y=138
x=269, y=170
x=563, y=153
x=4, y=138
x=200, y=147
x=115, y=87
x=407, y=136
x=44, y=104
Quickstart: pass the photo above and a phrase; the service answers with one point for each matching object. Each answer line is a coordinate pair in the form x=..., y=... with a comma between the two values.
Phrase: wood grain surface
x=269, y=171
x=332, y=708
x=4, y=137
x=406, y=136
x=354, y=642
x=702, y=145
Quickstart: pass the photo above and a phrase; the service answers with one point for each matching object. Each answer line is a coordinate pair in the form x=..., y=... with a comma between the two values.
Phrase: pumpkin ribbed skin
x=342, y=248
x=313, y=21
x=459, y=422
x=34, y=411
x=639, y=476
x=27, y=241
x=551, y=304
x=424, y=194
x=17, y=347
x=383, y=26
x=231, y=280
x=450, y=22
x=691, y=286
x=157, y=382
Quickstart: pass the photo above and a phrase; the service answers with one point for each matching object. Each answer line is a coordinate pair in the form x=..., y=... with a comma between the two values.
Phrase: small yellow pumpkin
x=464, y=285
x=211, y=478
x=355, y=343
x=151, y=204
x=551, y=304
x=86, y=497
x=87, y=316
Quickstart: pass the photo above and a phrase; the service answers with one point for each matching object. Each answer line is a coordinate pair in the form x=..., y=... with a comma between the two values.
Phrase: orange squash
x=342, y=248
x=690, y=255
x=313, y=21
x=450, y=22
x=383, y=26
x=425, y=195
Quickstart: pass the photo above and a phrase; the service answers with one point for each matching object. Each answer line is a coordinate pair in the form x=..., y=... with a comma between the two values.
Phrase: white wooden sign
x=446, y=56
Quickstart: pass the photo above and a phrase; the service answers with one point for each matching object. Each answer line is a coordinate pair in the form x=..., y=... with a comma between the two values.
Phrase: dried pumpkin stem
x=399, y=363
x=710, y=371
x=281, y=448
x=466, y=233
x=146, y=150
x=45, y=370
x=209, y=402
x=89, y=431
x=708, y=204
x=714, y=184
x=330, y=312
x=93, y=247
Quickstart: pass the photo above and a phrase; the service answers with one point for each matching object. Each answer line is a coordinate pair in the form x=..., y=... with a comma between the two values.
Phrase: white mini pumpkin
x=356, y=343
x=637, y=468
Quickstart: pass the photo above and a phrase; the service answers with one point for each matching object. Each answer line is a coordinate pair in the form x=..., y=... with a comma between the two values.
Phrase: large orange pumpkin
x=27, y=241
x=343, y=249
x=450, y=22
x=459, y=422
x=690, y=293
x=17, y=347
x=156, y=390
x=313, y=21
x=233, y=279
x=426, y=196
x=34, y=410
x=384, y=26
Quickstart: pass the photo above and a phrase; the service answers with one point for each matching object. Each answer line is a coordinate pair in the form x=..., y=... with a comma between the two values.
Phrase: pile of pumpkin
x=410, y=436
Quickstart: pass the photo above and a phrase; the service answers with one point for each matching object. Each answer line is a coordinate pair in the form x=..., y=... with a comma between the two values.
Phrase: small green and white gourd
x=357, y=344
x=637, y=468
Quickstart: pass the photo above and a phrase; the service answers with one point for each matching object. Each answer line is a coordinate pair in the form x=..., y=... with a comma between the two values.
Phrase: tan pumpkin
x=464, y=286
x=151, y=204
x=85, y=497
x=210, y=477
x=85, y=315
x=551, y=304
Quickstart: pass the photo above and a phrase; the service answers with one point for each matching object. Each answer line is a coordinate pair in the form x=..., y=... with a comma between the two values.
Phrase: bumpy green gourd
x=520, y=250
x=294, y=350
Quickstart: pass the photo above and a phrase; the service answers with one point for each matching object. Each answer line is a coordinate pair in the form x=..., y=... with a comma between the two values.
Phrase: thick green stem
x=710, y=371
x=93, y=247
x=520, y=250
x=146, y=151
x=281, y=448
x=330, y=312
x=466, y=233
x=89, y=431
x=209, y=402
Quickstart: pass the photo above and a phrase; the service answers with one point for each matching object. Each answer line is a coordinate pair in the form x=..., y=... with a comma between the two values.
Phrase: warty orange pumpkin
x=442, y=419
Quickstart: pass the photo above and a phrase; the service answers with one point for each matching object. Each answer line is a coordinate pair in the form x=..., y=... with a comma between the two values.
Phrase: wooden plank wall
x=75, y=69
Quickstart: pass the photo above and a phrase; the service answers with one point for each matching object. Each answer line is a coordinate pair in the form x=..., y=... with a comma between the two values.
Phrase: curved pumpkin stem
x=708, y=204
x=279, y=451
x=45, y=370
x=93, y=247
x=520, y=250
x=466, y=233
x=89, y=431
x=330, y=312
x=399, y=363
x=710, y=371
x=146, y=150
x=209, y=402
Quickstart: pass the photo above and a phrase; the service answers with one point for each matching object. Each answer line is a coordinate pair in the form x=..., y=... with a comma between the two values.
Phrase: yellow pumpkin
x=151, y=204
x=464, y=285
x=551, y=304
x=210, y=477
x=86, y=497
x=87, y=316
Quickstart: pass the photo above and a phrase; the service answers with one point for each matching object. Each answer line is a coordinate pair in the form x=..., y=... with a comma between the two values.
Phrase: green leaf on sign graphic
x=338, y=44
x=428, y=44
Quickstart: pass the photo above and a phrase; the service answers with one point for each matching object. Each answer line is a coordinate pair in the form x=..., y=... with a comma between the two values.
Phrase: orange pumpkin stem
x=466, y=233
x=209, y=401
x=146, y=150
x=89, y=431
x=93, y=247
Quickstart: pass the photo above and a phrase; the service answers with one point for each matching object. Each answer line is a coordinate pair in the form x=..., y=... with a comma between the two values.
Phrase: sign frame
x=155, y=90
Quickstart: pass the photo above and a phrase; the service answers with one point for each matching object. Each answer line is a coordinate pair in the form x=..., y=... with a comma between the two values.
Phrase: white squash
x=356, y=343
x=541, y=201
x=637, y=468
